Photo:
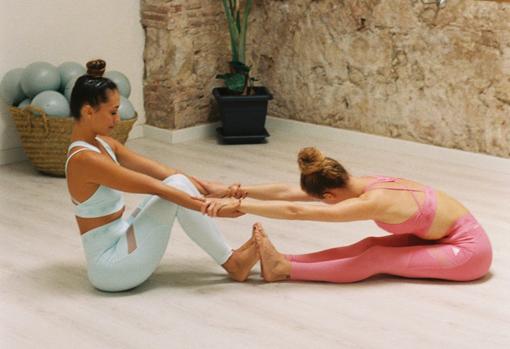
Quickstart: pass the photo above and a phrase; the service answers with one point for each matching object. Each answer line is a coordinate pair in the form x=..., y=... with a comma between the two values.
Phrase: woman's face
x=106, y=115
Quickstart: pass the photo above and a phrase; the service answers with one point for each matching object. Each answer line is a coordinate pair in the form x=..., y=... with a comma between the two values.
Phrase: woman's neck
x=356, y=186
x=81, y=133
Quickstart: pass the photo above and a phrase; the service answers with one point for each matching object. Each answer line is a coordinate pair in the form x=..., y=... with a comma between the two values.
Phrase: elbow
x=295, y=212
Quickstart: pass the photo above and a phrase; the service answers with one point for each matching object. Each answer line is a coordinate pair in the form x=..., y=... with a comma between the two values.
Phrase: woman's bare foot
x=257, y=229
x=247, y=244
x=242, y=261
x=275, y=267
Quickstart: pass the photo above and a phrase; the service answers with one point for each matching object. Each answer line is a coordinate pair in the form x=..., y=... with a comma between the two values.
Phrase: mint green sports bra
x=105, y=200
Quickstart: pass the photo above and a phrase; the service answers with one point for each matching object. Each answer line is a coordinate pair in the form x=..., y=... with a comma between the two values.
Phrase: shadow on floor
x=72, y=279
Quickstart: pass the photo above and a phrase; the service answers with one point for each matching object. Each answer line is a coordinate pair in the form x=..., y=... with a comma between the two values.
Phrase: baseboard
x=11, y=155
x=181, y=135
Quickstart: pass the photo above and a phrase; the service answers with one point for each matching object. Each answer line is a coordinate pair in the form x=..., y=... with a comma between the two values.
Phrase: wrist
x=240, y=192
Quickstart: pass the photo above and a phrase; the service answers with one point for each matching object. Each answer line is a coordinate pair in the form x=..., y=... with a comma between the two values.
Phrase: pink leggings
x=464, y=254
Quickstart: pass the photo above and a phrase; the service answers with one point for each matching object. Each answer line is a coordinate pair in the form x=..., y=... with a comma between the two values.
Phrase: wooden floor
x=47, y=302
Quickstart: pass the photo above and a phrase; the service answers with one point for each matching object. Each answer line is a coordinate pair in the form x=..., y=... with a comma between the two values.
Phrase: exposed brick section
x=186, y=45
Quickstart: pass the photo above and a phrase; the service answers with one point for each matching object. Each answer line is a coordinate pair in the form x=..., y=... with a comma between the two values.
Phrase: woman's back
x=95, y=204
x=403, y=199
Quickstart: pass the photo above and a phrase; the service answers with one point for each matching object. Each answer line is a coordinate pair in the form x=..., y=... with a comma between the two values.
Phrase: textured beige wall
x=397, y=68
x=186, y=46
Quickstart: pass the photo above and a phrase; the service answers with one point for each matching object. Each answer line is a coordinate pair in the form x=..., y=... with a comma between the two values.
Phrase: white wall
x=69, y=30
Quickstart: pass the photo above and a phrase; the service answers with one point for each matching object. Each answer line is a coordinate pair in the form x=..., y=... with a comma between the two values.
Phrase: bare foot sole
x=275, y=267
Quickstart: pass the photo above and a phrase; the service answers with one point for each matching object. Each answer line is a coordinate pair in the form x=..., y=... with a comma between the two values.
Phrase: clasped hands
x=221, y=200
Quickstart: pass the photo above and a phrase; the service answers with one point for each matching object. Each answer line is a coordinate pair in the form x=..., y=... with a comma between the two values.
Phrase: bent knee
x=181, y=182
x=176, y=178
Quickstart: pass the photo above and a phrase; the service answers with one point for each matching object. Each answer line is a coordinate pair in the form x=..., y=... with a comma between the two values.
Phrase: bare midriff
x=448, y=211
x=87, y=224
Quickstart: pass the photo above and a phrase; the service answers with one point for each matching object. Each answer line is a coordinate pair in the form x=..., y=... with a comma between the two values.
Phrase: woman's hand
x=235, y=191
x=213, y=189
x=230, y=213
x=224, y=207
x=219, y=190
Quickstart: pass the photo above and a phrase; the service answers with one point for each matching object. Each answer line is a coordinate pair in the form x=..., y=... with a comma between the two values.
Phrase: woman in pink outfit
x=432, y=234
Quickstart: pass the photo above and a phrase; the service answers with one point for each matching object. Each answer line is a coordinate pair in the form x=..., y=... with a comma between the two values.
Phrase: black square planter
x=243, y=118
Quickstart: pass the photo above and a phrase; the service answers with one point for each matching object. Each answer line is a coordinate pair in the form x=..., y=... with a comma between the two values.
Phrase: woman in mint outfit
x=122, y=252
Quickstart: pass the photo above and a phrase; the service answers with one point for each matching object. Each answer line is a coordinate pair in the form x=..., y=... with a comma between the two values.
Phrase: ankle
x=231, y=265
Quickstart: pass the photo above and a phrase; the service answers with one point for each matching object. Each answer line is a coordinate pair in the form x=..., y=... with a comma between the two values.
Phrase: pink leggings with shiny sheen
x=465, y=254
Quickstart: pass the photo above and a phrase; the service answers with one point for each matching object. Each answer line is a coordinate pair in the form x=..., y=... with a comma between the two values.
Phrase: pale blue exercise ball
x=126, y=109
x=38, y=77
x=121, y=81
x=69, y=88
x=10, y=87
x=53, y=103
x=69, y=70
x=24, y=103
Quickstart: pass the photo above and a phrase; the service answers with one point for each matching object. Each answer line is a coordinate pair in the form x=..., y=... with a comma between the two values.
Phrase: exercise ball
x=126, y=109
x=10, y=87
x=121, y=81
x=69, y=88
x=24, y=103
x=69, y=70
x=38, y=77
x=53, y=103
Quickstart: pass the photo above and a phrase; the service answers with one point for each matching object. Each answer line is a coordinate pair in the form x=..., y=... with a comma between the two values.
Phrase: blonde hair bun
x=310, y=160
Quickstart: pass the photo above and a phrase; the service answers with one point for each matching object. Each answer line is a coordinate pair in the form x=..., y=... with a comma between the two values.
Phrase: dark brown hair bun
x=96, y=67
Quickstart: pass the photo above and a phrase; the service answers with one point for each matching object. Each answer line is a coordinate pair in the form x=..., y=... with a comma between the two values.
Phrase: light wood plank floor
x=47, y=302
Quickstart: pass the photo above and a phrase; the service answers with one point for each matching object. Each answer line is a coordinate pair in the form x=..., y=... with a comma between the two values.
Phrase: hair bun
x=310, y=160
x=96, y=67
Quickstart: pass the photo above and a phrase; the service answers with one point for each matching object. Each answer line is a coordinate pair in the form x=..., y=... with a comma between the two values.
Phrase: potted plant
x=242, y=106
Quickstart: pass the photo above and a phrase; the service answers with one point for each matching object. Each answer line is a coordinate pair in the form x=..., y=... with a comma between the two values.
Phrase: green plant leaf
x=243, y=30
x=235, y=82
x=234, y=32
x=240, y=67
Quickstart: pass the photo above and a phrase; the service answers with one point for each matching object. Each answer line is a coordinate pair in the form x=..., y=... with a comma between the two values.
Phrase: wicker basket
x=45, y=138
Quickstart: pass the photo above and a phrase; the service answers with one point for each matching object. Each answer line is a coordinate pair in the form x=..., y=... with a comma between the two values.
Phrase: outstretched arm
x=285, y=192
x=138, y=163
x=96, y=169
x=362, y=208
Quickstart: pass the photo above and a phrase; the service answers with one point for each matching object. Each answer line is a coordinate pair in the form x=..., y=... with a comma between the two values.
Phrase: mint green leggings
x=111, y=267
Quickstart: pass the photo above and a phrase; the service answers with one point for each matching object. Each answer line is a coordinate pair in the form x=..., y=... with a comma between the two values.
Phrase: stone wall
x=398, y=68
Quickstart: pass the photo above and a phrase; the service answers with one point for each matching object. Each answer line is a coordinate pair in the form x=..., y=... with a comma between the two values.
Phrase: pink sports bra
x=419, y=223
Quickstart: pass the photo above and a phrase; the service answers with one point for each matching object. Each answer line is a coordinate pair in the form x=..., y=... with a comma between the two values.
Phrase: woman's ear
x=327, y=195
x=87, y=111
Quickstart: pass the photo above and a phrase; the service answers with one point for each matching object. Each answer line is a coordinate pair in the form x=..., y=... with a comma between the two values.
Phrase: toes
x=261, y=230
